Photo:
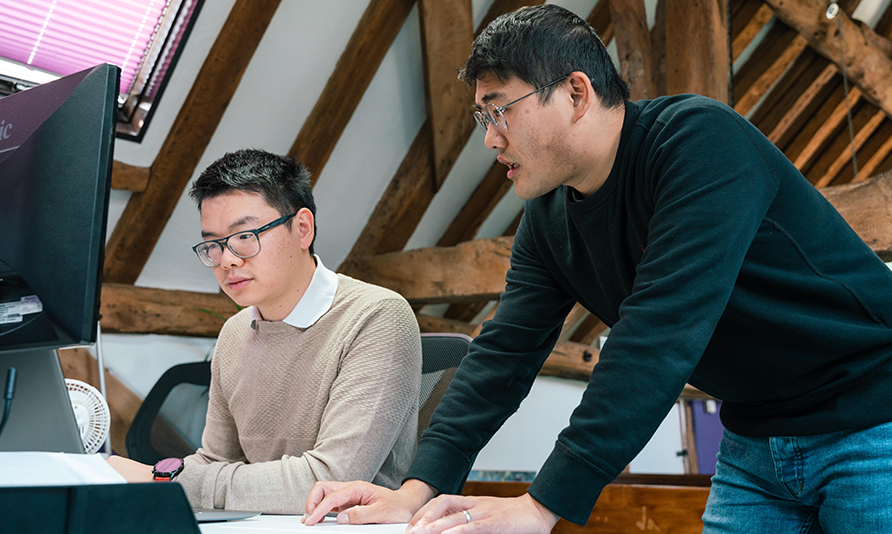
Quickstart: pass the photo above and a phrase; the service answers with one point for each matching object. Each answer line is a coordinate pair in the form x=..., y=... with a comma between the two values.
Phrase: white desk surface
x=291, y=523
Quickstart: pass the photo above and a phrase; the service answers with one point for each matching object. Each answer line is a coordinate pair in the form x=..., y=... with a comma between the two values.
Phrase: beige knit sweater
x=291, y=406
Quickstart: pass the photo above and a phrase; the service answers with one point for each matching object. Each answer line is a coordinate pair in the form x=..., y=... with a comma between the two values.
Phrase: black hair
x=540, y=44
x=282, y=181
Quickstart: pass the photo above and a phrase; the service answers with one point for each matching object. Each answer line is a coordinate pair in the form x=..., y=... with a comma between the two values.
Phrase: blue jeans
x=836, y=483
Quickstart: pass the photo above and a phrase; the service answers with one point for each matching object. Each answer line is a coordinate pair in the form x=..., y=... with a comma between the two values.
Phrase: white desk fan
x=91, y=412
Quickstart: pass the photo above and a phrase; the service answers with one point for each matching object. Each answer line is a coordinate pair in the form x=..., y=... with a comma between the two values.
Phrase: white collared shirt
x=316, y=300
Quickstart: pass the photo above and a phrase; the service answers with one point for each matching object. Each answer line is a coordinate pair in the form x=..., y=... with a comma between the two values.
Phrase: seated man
x=317, y=378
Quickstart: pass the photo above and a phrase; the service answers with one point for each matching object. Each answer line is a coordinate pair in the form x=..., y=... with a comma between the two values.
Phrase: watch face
x=168, y=465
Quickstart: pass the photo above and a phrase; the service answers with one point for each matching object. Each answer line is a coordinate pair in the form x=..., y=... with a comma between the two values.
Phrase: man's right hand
x=363, y=503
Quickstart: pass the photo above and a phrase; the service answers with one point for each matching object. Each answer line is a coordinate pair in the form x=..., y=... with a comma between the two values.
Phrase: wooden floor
x=626, y=508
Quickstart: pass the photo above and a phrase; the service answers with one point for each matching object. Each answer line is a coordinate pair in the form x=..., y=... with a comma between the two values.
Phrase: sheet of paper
x=291, y=523
x=18, y=469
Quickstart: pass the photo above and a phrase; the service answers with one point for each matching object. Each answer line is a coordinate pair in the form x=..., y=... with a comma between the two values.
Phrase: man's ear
x=582, y=94
x=304, y=227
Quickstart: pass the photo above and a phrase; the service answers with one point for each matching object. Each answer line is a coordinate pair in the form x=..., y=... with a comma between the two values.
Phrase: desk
x=291, y=523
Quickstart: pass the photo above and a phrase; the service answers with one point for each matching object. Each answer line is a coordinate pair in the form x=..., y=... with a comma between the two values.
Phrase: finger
x=362, y=515
x=338, y=499
x=440, y=508
x=318, y=492
x=452, y=520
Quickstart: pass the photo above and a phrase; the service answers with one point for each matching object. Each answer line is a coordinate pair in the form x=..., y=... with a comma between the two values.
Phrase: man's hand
x=362, y=503
x=132, y=471
x=455, y=514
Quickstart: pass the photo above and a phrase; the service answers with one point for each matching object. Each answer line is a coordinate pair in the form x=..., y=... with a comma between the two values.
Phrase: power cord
x=10, y=389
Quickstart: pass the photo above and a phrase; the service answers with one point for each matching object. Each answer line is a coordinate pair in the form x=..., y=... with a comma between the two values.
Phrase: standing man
x=317, y=378
x=713, y=260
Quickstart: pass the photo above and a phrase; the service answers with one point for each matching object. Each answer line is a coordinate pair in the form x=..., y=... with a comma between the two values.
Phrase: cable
x=832, y=12
x=10, y=390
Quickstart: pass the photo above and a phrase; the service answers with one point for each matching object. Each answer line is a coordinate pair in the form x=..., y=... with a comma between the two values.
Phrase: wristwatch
x=167, y=469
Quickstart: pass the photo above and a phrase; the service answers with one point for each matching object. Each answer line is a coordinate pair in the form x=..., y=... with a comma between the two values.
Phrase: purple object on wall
x=707, y=433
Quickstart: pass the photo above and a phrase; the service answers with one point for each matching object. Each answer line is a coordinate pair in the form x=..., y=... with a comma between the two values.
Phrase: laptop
x=209, y=515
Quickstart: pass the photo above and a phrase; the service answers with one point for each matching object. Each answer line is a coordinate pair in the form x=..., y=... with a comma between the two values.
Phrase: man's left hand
x=455, y=514
x=131, y=470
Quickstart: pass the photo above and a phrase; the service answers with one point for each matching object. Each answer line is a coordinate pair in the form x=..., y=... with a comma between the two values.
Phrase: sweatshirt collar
x=317, y=300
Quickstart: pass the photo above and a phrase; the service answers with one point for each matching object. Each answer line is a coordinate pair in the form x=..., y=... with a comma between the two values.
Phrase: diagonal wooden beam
x=589, y=330
x=576, y=315
x=869, y=120
x=144, y=218
x=600, y=20
x=828, y=118
x=410, y=192
x=865, y=58
x=878, y=149
x=771, y=58
x=485, y=197
x=814, y=90
x=128, y=177
x=447, y=29
x=789, y=88
x=376, y=31
x=633, y=46
x=747, y=22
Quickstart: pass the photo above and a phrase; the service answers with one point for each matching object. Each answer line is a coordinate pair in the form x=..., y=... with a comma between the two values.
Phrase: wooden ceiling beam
x=411, y=190
x=589, y=330
x=697, y=48
x=600, y=20
x=747, y=22
x=867, y=121
x=574, y=318
x=867, y=206
x=876, y=151
x=808, y=99
x=633, y=45
x=789, y=87
x=470, y=271
x=476, y=210
x=141, y=310
x=128, y=177
x=447, y=29
x=567, y=359
x=354, y=71
x=133, y=239
x=771, y=58
x=866, y=59
x=828, y=118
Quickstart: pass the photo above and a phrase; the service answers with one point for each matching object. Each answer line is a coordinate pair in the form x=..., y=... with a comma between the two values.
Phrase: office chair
x=440, y=356
x=171, y=419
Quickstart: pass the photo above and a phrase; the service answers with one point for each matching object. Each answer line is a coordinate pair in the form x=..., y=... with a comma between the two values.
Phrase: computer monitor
x=56, y=148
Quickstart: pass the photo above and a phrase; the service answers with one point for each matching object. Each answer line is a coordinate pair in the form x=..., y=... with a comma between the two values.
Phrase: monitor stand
x=41, y=417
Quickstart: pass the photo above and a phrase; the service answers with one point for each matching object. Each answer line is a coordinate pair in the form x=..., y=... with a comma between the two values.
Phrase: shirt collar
x=316, y=301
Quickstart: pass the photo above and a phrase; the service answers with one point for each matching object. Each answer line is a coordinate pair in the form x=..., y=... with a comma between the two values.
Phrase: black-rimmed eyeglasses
x=242, y=244
x=492, y=114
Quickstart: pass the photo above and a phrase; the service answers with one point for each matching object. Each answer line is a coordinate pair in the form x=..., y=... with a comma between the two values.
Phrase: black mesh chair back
x=440, y=356
x=171, y=419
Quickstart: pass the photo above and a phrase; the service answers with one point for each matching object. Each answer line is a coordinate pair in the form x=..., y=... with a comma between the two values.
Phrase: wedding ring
x=467, y=515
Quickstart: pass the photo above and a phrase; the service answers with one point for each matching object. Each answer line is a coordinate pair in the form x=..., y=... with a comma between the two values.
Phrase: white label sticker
x=12, y=312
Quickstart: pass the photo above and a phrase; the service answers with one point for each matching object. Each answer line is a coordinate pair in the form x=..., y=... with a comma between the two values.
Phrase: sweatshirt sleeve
x=372, y=400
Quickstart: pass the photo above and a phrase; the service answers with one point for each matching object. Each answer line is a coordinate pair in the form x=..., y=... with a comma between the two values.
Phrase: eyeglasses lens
x=243, y=245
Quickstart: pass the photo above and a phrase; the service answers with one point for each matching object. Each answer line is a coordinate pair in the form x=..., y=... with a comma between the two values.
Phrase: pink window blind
x=66, y=36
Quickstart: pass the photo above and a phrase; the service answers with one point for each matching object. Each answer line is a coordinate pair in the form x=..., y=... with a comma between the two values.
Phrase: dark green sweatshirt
x=714, y=262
